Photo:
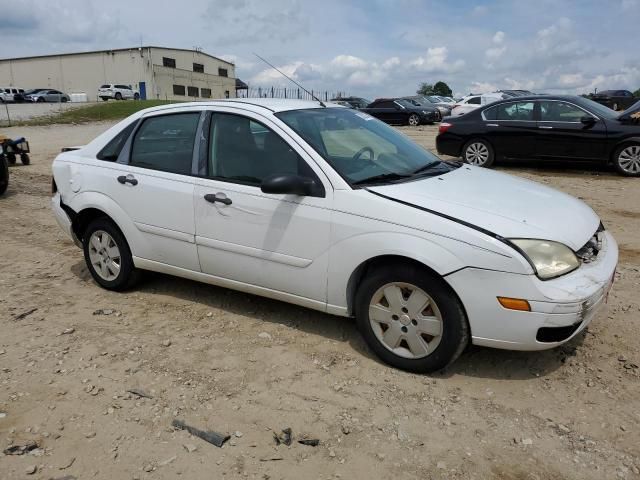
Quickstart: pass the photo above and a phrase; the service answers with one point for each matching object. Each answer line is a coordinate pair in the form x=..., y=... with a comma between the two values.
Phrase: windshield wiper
x=426, y=167
x=382, y=178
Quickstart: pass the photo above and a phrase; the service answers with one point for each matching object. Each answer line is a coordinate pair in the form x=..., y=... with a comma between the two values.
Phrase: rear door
x=511, y=128
x=562, y=135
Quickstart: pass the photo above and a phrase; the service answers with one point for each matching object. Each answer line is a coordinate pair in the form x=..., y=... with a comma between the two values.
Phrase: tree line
x=439, y=88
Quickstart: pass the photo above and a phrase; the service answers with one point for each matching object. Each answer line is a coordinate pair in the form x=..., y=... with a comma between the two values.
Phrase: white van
x=7, y=94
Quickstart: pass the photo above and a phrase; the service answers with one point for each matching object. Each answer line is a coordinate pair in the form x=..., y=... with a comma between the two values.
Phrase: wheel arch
x=621, y=143
x=380, y=261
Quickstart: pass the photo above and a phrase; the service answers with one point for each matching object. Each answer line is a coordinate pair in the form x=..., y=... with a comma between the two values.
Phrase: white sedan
x=331, y=209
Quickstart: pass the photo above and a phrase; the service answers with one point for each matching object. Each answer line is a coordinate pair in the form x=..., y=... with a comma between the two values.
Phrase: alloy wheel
x=477, y=154
x=629, y=159
x=414, y=121
x=105, y=255
x=405, y=320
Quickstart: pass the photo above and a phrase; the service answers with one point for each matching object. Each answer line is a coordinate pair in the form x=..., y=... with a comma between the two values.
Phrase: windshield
x=433, y=99
x=361, y=148
x=598, y=108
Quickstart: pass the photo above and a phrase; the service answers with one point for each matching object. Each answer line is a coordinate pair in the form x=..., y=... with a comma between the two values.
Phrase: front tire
x=626, y=160
x=479, y=153
x=118, y=96
x=410, y=318
x=107, y=255
x=136, y=96
x=414, y=120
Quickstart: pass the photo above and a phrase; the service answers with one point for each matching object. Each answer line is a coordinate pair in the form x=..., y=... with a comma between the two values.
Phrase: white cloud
x=495, y=52
x=498, y=37
x=479, y=10
x=436, y=61
x=348, y=62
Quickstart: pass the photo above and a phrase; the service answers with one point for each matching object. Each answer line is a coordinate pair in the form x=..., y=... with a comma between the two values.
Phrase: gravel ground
x=235, y=363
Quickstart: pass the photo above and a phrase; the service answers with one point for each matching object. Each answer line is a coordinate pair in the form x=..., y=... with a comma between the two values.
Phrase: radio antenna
x=292, y=80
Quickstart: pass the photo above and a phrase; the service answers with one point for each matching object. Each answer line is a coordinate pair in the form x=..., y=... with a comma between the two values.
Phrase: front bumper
x=560, y=308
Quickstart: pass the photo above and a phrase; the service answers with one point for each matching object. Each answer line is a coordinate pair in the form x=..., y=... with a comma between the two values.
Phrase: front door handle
x=218, y=197
x=546, y=127
x=128, y=179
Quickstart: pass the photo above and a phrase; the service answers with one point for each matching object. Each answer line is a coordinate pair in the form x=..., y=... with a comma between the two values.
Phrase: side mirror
x=288, y=184
x=587, y=120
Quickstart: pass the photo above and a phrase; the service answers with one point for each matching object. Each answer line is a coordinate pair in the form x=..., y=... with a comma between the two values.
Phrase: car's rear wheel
x=4, y=174
x=104, y=99
x=136, y=96
x=478, y=152
x=118, y=96
x=24, y=158
x=410, y=318
x=414, y=120
x=108, y=256
x=626, y=160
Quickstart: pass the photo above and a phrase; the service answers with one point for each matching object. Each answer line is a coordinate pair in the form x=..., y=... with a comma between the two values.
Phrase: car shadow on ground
x=554, y=167
x=474, y=362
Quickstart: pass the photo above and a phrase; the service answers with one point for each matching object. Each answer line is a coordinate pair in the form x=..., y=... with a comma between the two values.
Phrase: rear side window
x=521, y=111
x=165, y=143
x=112, y=150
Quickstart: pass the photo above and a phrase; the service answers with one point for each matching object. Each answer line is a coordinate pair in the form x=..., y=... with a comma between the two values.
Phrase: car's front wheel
x=414, y=120
x=410, y=318
x=108, y=256
x=626, y=160
x=478, y=152
x=118, y=96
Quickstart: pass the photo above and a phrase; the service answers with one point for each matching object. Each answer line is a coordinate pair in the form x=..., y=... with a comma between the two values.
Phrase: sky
x=370, y=48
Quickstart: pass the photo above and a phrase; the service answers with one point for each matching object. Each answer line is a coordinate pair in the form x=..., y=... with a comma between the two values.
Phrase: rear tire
x=136, y=96
x=423, y=328
x=118, y=96
x=104, y=99
x=24, y=158
x=4, y=174
x=626, y=160
x=413, y=120
x=107, y=255
x=11, y=158
x=478, y=152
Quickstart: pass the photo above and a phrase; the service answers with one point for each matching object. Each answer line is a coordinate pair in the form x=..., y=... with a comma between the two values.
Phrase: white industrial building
x=155, y=72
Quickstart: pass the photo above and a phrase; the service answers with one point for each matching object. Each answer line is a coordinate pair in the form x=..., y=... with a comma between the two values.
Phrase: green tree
x=425, y=89
x=442, y=89
x=637, y=93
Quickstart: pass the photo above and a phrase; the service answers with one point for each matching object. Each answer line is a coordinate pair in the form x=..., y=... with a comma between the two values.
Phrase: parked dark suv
x=397, y=111
x=615, y=99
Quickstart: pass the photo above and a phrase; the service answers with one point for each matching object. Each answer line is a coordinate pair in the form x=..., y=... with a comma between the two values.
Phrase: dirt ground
x=235, y=363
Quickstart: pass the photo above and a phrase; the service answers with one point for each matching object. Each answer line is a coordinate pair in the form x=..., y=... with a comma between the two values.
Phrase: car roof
x=272, y=104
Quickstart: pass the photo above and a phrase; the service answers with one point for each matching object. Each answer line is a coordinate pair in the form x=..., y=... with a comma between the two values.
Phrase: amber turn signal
x=515, y=304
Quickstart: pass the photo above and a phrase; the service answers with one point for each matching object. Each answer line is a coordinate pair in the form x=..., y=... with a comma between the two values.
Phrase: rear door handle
x=128, y=179
x=218, y=197
x=546, y=127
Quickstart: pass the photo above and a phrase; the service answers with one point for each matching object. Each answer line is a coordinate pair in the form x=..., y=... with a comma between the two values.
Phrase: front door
x=562, y=135
x=512, y=129
x=278, y=242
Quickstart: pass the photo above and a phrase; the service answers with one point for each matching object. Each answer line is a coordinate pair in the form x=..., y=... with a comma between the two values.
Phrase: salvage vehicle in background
x=431, y=101
x=614, y=99
x=331, y=209
x=551, y=127
x=398, y=111
x=471, y=102
x=117, y=92
x=46, y=95
x=8, y=94
x=354, y=102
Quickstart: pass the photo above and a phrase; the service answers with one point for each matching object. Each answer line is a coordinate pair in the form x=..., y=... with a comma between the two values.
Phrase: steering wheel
x=359, y=153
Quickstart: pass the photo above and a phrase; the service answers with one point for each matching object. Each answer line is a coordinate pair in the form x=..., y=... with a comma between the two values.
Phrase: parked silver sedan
x=47, y=96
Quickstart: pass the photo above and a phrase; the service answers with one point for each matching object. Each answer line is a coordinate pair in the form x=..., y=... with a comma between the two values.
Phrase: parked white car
x=117, y=92
x=331, y=209
x=471, y=102
x=7, y=94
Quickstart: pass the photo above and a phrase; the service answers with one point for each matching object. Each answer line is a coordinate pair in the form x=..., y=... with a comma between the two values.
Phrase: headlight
x=550, y=259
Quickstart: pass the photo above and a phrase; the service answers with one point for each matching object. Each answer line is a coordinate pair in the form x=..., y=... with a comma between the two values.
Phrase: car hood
x=505, y=205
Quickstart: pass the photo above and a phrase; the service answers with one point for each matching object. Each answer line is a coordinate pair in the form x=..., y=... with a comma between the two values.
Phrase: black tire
x=413, y=120
x=136, y=96
x=11, y=158
x=468, y=156
x=118, y=96
x=128, y=274
x=64, y=100
x=4, y=174
x=455, y=329
x=40, y=100
x=104, y=99
x=24, y=158
x=627, y=172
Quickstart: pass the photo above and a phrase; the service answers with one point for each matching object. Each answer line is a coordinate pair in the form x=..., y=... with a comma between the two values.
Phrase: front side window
x=560, y=112
x=165, y=143
x=359, y=147
x=521, y=111
x=245, y=151
x=474, y=101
